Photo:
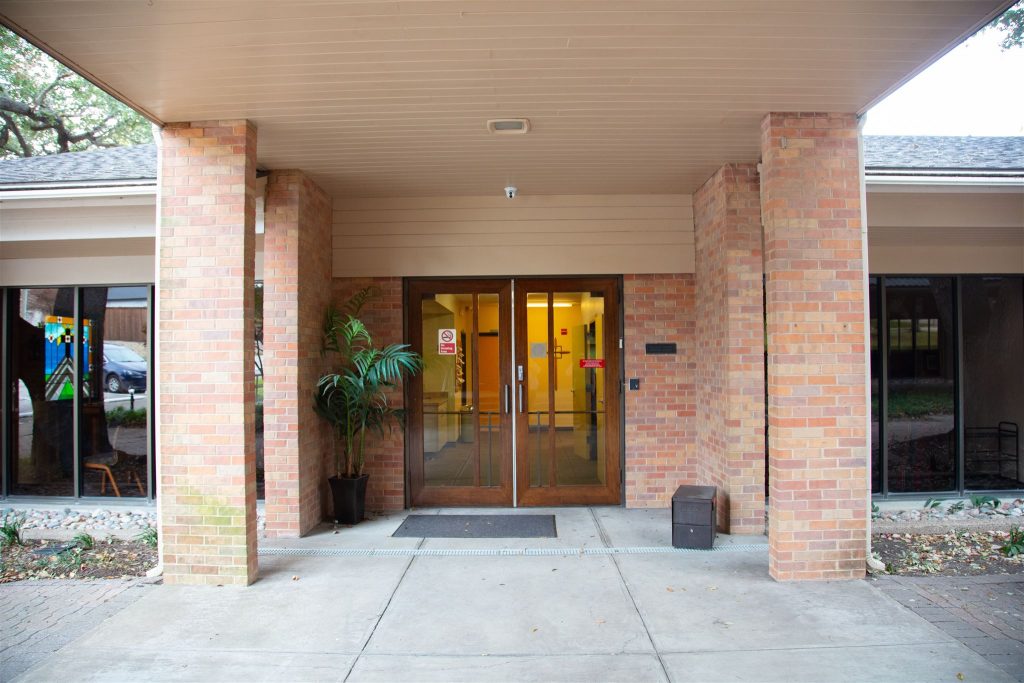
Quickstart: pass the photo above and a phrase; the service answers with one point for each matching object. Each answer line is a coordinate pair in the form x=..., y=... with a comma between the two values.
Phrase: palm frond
x=354, y=397
x=356, y=302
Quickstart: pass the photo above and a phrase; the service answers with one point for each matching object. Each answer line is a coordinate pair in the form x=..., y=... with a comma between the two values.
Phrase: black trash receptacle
x=693, y=517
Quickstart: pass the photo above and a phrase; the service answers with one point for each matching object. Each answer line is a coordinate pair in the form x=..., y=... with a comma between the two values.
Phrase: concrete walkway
x=567, y=616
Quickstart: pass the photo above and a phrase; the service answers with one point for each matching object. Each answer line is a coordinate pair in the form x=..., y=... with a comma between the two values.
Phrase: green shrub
x=84, y=541
x=10, y=531
x=1015, y=545
x=980, y=502
x=149, y=537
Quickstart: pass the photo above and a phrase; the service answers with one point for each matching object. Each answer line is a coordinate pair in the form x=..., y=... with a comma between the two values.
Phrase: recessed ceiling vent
x=508, y=126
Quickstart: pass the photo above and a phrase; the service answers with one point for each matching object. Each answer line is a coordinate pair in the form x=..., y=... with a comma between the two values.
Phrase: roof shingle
x=892, y=152
x=935, y=152
x=97, y=165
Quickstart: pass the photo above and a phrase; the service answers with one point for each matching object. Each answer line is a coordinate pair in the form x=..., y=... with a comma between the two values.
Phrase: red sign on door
x=592, y=363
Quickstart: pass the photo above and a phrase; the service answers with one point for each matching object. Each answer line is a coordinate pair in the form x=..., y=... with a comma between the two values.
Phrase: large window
x=947, y=357
x=993, y=336
x=43, y=362
x=93, y=441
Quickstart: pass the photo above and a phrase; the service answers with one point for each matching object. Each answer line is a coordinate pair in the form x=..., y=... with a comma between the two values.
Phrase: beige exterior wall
x=83, y=241
x=530, y=235
x=946, y=232
x=111, y=240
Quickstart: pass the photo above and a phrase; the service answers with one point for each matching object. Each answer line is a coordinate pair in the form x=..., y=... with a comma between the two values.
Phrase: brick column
x=296, y=291
x=817, y=407
x=205, y=356
x=730, y=345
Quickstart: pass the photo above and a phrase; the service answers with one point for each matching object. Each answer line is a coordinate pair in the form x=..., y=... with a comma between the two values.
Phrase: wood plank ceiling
x=391, y=98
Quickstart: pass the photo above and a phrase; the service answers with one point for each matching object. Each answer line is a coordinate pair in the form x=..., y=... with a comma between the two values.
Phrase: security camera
x=510, y=192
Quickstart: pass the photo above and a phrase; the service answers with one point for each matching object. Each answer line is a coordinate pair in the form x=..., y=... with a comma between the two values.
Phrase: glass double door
x=518, y=402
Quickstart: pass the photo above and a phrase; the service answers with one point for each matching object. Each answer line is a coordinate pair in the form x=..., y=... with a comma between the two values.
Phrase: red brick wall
x=297, y=226
x=814, y=262
x=206, y=394
x=730, y=345
x=385, y=459
x=660, y=429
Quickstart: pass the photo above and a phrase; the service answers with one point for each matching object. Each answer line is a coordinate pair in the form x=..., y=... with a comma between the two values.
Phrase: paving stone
x=41, y=617
x=934, y=614
x=982, y=612
x=997, y=646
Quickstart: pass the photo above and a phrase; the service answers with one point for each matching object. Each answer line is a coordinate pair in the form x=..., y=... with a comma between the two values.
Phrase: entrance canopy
x=392, y=98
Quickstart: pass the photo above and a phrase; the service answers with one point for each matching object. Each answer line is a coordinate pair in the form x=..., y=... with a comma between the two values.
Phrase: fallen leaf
x=959, y=677
x=295, y=578
x=533, y=630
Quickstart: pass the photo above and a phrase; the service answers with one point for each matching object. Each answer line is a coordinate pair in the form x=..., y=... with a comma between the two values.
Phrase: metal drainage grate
x=500, y=552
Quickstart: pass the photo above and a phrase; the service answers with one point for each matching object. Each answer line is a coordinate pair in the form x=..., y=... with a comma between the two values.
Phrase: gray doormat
x=478, y=526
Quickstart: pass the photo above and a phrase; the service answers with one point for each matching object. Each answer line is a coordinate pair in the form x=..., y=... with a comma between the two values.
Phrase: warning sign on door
x=592, y=363
x=446, y=342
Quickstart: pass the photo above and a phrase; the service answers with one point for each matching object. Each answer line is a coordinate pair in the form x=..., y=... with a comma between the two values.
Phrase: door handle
x=508, y=397
x=522, y=408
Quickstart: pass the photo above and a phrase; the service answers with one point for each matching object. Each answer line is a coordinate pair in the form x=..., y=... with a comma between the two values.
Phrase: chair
x=102, y=462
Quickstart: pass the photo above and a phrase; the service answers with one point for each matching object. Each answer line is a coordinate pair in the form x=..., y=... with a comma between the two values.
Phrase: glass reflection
x=920, y=415
x=993, y=338
x=114, y=397
x=43, y=358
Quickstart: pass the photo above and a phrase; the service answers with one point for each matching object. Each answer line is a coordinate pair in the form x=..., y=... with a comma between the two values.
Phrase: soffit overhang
x=392, y=98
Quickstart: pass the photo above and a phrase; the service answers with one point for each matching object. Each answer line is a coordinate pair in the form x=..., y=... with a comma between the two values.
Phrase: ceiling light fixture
x=508, y=126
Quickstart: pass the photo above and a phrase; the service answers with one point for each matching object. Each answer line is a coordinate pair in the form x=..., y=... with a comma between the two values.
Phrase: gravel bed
x=946, y=516
x=43, y=523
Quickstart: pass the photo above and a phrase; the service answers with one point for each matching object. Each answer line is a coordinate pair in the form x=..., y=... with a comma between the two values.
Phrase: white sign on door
x=446, y=342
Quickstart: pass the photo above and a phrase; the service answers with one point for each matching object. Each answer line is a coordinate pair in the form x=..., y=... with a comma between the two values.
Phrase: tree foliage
x=45, y=108
x=1011, y=25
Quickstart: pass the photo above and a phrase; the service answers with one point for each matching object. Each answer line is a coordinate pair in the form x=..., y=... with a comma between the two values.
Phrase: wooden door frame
x=418, y=493
x=611, y=492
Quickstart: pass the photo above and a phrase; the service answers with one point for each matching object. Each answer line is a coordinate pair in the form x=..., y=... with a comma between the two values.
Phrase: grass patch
x=123, y=417
x=916, y=403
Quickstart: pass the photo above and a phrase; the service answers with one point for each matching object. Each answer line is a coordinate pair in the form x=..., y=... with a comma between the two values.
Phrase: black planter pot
x=349, y=498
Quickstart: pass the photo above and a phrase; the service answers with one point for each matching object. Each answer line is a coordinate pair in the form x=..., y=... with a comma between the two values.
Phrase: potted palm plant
x=354, y=399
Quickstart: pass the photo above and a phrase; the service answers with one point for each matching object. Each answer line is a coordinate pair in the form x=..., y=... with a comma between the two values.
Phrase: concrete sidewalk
x=567, y=616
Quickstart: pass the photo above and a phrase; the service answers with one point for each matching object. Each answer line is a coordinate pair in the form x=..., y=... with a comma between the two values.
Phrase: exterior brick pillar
x=206, y=261
x=296, y=292
x=817, y=383
x=730, y=345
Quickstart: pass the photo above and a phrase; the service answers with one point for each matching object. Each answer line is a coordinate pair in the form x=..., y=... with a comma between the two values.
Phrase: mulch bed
x=954, y=553
x=107, y=559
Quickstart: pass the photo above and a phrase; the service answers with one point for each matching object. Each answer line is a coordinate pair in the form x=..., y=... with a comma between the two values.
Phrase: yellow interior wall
x=567, y=367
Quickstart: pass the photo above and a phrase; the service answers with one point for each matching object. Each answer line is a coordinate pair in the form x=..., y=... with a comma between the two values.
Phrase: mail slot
x=693, y=517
